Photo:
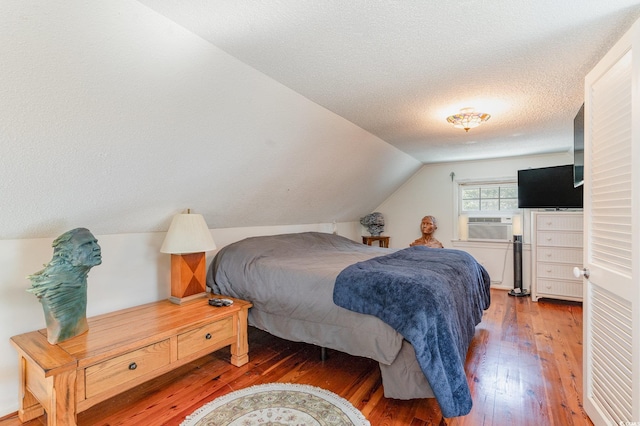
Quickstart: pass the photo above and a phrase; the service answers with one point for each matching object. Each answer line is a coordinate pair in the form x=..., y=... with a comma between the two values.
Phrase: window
x=486, y=210
x=498, y=199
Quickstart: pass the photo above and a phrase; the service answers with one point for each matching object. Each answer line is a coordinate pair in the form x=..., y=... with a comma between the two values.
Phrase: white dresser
x=556, y=248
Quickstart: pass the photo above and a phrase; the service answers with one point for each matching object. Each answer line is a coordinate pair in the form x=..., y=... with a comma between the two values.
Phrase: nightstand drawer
x=118, y=370
x=208, y=336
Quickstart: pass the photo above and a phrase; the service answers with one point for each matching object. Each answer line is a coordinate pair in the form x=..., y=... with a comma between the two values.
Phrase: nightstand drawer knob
x=208, y=336
x=133, y=366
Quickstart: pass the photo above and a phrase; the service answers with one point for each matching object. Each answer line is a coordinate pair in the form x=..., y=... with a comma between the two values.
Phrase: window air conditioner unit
x=490, y=228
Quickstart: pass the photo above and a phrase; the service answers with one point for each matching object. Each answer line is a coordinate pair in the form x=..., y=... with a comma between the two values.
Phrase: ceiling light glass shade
x=468, y=118
x=188, y=233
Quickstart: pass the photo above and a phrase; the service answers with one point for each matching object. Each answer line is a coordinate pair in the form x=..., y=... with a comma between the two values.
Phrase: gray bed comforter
x=434, y=298
x=289, y=279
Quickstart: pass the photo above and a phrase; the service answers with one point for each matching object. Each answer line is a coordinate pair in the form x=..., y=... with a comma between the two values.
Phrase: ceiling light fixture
x=468, y=118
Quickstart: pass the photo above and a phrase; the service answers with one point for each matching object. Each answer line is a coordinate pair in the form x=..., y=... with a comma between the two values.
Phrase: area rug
x=278, y=404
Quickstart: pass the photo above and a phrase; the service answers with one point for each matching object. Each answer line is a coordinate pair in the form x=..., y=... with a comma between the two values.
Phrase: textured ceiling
x=399, y=68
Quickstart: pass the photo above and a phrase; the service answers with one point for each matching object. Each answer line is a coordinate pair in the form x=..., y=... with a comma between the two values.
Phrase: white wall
x=133, y=272
x=431, y=192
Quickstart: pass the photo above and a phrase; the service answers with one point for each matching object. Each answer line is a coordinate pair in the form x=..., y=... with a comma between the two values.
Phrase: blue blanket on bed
x=434, y=298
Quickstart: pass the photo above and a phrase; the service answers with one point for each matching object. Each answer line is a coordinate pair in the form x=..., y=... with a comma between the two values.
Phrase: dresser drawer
x=132, y=365
x=208, y=336
x=561, y=271
x=558, y=239
x=572, y=289
x=564, y=222
x=572, y=256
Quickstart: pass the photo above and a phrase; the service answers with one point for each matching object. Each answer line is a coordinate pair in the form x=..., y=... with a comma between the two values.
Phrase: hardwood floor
x=524, y=368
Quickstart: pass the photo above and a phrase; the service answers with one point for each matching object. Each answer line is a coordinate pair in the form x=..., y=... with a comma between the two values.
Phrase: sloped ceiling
x=114, y=118
x=399, y=68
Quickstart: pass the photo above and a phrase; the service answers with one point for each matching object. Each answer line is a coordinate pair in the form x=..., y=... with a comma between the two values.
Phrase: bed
x=296, y=283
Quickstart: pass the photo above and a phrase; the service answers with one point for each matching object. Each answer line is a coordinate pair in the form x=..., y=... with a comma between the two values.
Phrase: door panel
x=611, y=323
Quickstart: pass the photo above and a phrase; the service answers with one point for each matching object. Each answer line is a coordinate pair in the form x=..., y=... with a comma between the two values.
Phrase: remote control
x=220, y=302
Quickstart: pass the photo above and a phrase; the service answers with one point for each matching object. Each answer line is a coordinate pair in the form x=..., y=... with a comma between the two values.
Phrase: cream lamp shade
x=187, y=239
x=188, y=233
x=517, y=224
x=463, y=227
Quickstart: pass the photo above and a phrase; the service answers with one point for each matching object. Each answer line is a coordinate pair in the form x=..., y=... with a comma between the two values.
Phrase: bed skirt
x=402, y=377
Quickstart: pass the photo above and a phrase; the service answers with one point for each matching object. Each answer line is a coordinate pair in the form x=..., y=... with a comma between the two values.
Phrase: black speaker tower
x=517, y=291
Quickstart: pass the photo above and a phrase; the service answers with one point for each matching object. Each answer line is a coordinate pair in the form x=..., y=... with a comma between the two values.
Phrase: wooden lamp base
x=188, y=277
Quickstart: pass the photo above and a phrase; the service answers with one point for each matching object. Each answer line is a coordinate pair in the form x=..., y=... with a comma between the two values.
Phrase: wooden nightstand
x=382, y=240
x=120, y=351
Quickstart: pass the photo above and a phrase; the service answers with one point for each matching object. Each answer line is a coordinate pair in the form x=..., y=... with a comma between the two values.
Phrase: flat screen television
x=578, y=148
x=548, y=188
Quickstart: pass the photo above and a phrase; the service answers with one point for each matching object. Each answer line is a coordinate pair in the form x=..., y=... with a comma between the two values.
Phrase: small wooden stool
x=382, y=240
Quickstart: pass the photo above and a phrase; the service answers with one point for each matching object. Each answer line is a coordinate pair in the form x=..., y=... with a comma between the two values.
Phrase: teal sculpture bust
x=61, y=286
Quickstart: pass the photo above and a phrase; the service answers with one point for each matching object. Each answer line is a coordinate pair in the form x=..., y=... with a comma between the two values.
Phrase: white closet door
x=611, y=235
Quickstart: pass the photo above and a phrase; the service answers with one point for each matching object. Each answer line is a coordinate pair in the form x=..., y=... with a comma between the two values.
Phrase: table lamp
x=187, y=239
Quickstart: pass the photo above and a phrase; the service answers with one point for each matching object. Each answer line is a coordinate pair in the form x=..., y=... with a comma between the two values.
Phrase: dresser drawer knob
x=133, y=366
x=208, y=336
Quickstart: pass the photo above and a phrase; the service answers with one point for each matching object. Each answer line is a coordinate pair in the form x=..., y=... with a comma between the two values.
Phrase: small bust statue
x=61, y=286
x=374, y=223
x=428, y=226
